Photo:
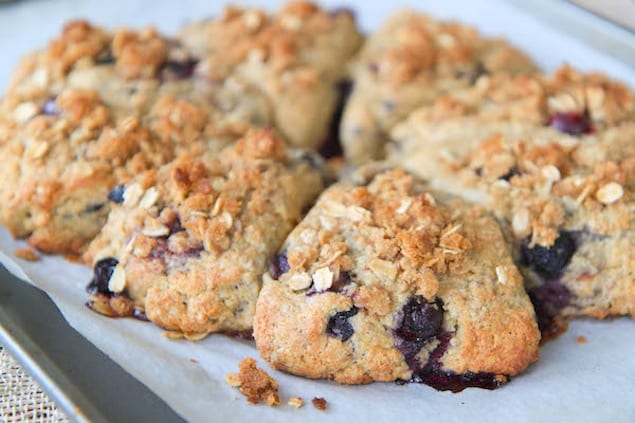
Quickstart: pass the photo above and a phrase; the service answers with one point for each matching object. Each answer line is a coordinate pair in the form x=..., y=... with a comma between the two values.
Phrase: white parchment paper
x=571, y=382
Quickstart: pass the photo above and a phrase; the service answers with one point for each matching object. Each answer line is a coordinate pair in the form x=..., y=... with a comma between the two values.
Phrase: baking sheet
x=79, y=378
x=583, y=382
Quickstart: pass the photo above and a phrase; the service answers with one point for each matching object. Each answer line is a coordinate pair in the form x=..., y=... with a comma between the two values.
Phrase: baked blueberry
x=116, y=194
x=279, y=265
x=390, y=281
x=549, y=262
x=102, y=271
x=420, y=322
x=339, y=326
x=572, y=123
x=50, y=108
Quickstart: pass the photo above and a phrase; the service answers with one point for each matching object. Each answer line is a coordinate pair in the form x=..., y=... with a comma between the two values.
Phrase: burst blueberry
x=549, y=262
x=116, y=194
x=572, y=123
x=339, y=326
x=279, y=265
x=102, y=272
x=420, y=322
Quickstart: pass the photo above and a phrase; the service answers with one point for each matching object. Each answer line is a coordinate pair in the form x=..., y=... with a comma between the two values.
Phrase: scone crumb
x=233, y=379
x=254, y=383
x=193, y=361
x=172, y=335
x=581, y=339
x=319, y=403
x=25, y=253
x=297, y=402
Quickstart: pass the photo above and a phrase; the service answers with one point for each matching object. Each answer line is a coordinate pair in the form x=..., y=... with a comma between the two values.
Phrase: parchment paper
x=573, y=382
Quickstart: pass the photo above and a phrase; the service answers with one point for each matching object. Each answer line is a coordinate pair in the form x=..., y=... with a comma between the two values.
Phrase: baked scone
x=409, y=62
x=187, y=244
x=96, y=108
x=297, y=57
x=554, y=160
x=384, y=281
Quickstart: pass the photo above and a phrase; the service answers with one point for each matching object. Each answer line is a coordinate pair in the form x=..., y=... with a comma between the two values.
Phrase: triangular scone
x=385, y=281
x=553, y=158
x=187, y=244
x=93, y=110
x=410, y=61
x=297, y=57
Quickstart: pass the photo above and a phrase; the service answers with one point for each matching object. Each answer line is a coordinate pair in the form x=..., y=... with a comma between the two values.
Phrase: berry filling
x=432, y=372
x=421, y=323
x=116, y=194
x=551, y=296
x=338, y=325
x=279, y=265
x=572, y=123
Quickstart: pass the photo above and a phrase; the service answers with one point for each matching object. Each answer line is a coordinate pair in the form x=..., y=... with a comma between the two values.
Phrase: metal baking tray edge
x=89, y=386
x=86, y=384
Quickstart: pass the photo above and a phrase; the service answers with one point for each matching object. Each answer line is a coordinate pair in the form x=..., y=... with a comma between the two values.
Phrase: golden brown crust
x=409, y=62
x=498, y=145
x=295, y=57
x=194, y=237
x=372, y=249
x=90, y=112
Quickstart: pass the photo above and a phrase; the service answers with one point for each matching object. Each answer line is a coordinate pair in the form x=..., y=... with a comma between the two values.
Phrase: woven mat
x=21, y=399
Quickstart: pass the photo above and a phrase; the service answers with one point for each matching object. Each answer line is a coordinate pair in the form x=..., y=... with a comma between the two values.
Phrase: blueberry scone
x=297, y=57
x=554, y=160
x=96, y=108
x=187, y=244
x=409, y=62
x=384, y=281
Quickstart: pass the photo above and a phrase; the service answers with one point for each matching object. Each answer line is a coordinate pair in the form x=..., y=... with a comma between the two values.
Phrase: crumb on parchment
x=581, y=339
x=319, y=403
x=25, y=253
x=296, y=402
x=254, y=383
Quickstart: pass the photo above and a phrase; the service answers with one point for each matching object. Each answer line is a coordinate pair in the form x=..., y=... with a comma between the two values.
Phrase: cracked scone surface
x=94, y=109
x=296, y=56
x=188, y=243
x=554, y=160
x=385, y=281
x=409, y=62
